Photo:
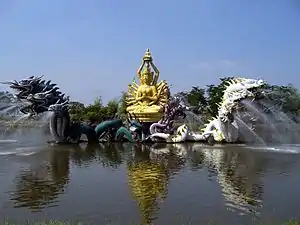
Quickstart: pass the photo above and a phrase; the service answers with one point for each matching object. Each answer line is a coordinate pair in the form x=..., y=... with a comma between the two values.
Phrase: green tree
x=121, y=111
x=286, y=97
x=112, y=107
x=95, y=111
x=196, y=97
x=122, y=104
x=98, y=112
x=76, y=110
x=98, y=102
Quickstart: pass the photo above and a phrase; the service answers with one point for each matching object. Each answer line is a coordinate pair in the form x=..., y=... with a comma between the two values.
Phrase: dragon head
x=31, y=81
x=237, y=90
x=13, y=84
x=40, y=94
x=46, y=94
x=241, y=88
x=25, y=86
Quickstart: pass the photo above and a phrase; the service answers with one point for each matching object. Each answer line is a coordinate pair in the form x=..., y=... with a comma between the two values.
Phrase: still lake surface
x=158, y=184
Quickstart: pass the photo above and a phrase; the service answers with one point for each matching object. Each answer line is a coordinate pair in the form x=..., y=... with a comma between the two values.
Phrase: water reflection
x=238, y=172
x=148, y=177
x=239, y=175
x=109, y=155
x=41, y=185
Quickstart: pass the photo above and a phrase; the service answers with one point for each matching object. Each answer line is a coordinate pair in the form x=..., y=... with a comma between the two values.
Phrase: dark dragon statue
x=40, y=96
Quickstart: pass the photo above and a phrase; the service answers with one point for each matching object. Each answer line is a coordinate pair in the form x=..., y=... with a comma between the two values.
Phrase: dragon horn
x=228, y=83
x=48, y=92
x=6, y=82
x=41, y=76
x=44, y=89
x=51, y=90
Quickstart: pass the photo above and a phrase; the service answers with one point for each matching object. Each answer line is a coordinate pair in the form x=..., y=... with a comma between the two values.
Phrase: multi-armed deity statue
x=146, y=101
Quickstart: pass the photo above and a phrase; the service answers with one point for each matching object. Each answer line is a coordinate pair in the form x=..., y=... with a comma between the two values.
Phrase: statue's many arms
x=149, y=96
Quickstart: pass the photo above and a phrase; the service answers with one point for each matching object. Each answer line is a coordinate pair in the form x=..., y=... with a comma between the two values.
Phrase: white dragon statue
x=223, y=127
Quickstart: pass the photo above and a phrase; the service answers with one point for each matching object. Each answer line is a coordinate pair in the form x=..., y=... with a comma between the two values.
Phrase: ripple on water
x=291, y=149
x=8, y=141
x=20, y=151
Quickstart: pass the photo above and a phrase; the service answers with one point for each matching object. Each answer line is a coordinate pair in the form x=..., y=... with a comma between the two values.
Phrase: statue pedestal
x=146, y=117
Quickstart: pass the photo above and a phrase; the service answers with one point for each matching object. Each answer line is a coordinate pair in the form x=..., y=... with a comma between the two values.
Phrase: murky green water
x=159, y=184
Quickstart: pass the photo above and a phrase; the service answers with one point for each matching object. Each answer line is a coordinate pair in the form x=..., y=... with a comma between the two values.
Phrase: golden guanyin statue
x=146, y=101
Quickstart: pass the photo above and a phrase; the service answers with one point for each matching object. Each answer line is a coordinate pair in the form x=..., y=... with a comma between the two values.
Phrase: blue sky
x=93, y=48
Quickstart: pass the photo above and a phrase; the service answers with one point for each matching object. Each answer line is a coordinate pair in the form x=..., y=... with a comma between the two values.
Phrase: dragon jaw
x=237, y=90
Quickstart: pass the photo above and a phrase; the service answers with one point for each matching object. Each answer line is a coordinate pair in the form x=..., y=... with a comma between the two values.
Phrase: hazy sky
x=93, y=47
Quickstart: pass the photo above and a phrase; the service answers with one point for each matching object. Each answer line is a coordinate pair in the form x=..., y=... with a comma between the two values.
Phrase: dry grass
x=42, y=223
x=290, y=222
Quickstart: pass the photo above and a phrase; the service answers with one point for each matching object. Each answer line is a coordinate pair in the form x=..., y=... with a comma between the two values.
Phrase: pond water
x=158, y=184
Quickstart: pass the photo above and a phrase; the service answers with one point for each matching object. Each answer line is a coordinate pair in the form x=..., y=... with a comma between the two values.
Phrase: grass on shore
x=290, y=222
x=42, y=223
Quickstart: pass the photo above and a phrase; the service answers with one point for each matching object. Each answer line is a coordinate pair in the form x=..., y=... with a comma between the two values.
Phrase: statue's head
x=147, y=75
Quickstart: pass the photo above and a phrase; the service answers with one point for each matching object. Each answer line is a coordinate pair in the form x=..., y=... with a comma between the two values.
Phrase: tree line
x=205, y=101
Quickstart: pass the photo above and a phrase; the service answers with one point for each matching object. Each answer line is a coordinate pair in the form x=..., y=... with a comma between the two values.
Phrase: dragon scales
x=222, y=128
x=40, y=96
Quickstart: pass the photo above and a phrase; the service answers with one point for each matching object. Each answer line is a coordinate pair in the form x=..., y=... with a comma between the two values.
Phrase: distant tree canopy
x=204, y=101
x=97, y=111
x=93, y=112
x=287, y=98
